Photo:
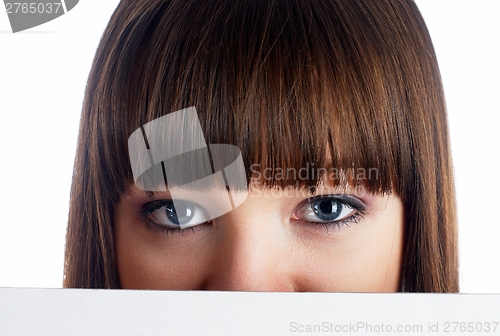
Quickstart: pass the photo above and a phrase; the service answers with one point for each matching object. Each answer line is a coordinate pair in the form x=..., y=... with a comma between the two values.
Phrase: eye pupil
x=327, y=209
x=181, y=214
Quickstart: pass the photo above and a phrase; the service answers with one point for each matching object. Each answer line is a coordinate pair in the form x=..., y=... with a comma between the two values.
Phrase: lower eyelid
x=169, y=231
x=152, y=225
x=340, y=224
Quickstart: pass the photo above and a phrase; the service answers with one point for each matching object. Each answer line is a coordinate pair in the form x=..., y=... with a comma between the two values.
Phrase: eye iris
x=181, y=214
x=327, y=209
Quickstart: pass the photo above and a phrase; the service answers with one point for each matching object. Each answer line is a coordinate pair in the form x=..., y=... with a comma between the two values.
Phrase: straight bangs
x=299, y=87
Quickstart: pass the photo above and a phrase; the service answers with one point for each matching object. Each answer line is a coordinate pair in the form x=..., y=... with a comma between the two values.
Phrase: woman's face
x=276, y=240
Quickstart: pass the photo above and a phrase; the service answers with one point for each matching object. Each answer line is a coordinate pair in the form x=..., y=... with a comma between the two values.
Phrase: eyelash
x=346, y=200
x=165, y=230
x=355, y=218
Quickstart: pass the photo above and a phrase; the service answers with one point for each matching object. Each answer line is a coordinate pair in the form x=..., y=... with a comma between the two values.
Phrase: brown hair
x=290, y=83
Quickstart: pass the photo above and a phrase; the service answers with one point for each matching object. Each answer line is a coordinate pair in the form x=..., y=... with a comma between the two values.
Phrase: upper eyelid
x=150, y=207
x=348, y=200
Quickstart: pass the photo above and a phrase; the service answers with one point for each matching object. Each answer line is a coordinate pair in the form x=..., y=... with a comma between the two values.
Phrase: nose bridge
x=250, y=254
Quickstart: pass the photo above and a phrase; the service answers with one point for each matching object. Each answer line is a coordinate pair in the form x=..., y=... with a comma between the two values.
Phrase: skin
x=264, y=244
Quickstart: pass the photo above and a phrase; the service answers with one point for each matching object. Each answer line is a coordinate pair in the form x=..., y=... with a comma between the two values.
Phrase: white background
x=43, y=72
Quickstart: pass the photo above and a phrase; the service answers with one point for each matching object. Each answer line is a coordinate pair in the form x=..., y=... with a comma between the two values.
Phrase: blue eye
x=328, y=209
x=182, y=215
x=179, y=215
x=335, y=209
